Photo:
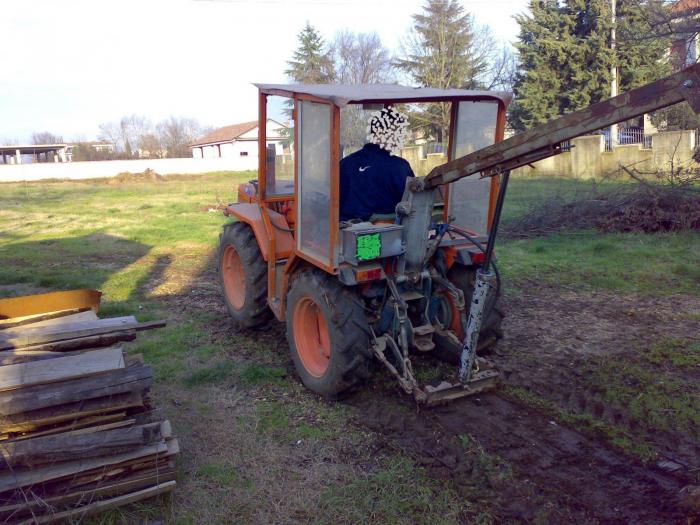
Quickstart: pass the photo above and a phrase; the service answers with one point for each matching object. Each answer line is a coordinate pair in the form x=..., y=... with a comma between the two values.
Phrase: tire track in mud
x=559, y=474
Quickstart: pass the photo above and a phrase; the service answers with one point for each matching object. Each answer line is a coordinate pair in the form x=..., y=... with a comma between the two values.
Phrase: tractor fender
x=251, y=214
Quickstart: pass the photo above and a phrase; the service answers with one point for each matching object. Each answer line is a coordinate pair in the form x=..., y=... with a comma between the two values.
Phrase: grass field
x=256, y=446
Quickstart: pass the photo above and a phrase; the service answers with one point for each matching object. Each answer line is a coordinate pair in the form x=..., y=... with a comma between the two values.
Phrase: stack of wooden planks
x=78, y=432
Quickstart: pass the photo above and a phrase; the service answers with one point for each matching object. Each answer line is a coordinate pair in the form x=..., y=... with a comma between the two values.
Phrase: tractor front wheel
x=243, y=276
x=327, y=332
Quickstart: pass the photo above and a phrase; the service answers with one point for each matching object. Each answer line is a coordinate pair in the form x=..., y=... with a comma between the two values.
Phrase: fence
x=589, y=156
x=625, y=137
x=109, y=168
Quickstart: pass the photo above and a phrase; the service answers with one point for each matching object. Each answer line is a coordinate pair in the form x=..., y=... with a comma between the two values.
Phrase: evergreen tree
x=566, y=57
x=311, y=62
x=587, y=76
x=543, y=52
x=641, y=54
x=444, y=50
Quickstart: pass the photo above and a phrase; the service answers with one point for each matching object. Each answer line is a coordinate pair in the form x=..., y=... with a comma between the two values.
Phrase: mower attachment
x=482, y=379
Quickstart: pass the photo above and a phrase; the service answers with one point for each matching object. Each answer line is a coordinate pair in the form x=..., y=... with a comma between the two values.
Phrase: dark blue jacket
x=372, y=181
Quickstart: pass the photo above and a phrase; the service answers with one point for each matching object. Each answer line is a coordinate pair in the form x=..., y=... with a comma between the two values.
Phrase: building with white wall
x=240, y=142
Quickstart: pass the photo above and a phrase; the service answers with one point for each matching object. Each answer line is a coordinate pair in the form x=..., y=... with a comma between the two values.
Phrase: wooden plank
x=83, y=342
x=134, y=378
x=49, y=302
x=62, y=368
x=136, y=481
x=101, y=506
x=29, y=421
x=35, y=319
x=69, y=446
x=14, y=357
x=86, y=424
x=85, y=480
x=27, y=336
x=26, y=477
x=77, y=317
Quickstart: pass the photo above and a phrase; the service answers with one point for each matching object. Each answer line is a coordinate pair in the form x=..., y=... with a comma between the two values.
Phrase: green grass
x=223, y=475
x=655, y=399
x=673, y=351
x=624, y=262
x=253, y=373
x=631, y=443
x=216, y=373
x=144, y=243
x=399, y=492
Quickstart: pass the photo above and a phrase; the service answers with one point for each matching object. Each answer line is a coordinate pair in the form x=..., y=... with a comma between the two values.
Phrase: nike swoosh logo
x=363, y=168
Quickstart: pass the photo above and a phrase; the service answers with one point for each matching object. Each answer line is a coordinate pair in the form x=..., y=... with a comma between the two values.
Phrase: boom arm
x=545, y=140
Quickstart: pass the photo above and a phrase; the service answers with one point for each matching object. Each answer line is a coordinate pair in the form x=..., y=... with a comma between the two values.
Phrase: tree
x=566, y=58
x=149, y=144
x=312, y=61
x=361, y=58
x=175, y=134
x=132, y=128
x=46, y=137
x=445, y=50
x=640, y=60
x=111, y=132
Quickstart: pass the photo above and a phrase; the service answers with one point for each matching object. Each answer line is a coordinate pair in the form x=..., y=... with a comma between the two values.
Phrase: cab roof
x=343, y=94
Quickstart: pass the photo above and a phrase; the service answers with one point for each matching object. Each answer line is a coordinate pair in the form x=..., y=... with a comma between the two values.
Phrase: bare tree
x=149, y=144
x=133, y=127
x=176, y=133
x=504, y=67
x=46, y=137
x=111, y=132
x=361, y=58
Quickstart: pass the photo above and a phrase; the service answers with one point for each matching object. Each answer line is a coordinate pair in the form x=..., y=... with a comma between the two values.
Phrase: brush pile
x=643, y=207
x=78, y=433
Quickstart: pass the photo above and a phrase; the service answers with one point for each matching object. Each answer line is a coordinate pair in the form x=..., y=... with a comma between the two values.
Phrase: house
x=241, y=141
x=685, y=49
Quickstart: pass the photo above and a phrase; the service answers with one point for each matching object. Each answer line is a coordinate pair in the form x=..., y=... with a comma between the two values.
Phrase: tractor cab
x=288, y=227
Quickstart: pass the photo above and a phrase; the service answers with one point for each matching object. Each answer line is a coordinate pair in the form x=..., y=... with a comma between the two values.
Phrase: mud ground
x=513, y=460
x=548, y=471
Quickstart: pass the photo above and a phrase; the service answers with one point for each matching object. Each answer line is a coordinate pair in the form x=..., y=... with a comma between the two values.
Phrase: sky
x=68, y=65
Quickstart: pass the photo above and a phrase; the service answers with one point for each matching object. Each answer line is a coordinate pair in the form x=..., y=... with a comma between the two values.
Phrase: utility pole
x=613, y=70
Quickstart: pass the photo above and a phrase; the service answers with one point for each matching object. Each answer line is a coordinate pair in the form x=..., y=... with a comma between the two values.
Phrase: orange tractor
x=424, y=279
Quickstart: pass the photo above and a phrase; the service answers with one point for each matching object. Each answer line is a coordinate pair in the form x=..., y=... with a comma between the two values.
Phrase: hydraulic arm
x=545, y=140
x=522, y=149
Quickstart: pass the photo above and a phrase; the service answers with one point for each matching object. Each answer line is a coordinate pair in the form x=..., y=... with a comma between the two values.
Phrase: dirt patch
x=562, y=472
x=127, y=177
x=559, y=474
x=500, y=455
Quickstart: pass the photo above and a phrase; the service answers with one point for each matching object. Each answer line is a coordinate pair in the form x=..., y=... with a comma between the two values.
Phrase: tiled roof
x=226, y=134
x=683, y=6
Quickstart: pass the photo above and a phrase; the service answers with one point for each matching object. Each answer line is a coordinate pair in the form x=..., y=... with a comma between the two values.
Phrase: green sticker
x=369, y=246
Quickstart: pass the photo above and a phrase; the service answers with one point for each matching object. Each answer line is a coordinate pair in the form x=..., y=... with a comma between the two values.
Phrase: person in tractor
x=372, y=180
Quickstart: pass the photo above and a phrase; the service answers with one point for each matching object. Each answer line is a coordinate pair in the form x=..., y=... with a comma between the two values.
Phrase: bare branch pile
x=641, y=207
x=78, y=432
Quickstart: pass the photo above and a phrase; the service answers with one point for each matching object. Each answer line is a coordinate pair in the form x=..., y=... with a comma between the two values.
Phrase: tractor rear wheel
x=328, y=334
x=243, y=276
x=463, y=278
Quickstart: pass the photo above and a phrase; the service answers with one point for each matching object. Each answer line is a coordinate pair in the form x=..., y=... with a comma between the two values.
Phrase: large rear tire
x=243, y=276
x=328, y=334
x=491, y=331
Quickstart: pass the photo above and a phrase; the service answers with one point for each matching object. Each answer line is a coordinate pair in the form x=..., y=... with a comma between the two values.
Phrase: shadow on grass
x=118, y=266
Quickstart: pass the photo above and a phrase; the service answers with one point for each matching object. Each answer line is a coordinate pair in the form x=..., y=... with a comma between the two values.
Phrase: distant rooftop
x=684, y=6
